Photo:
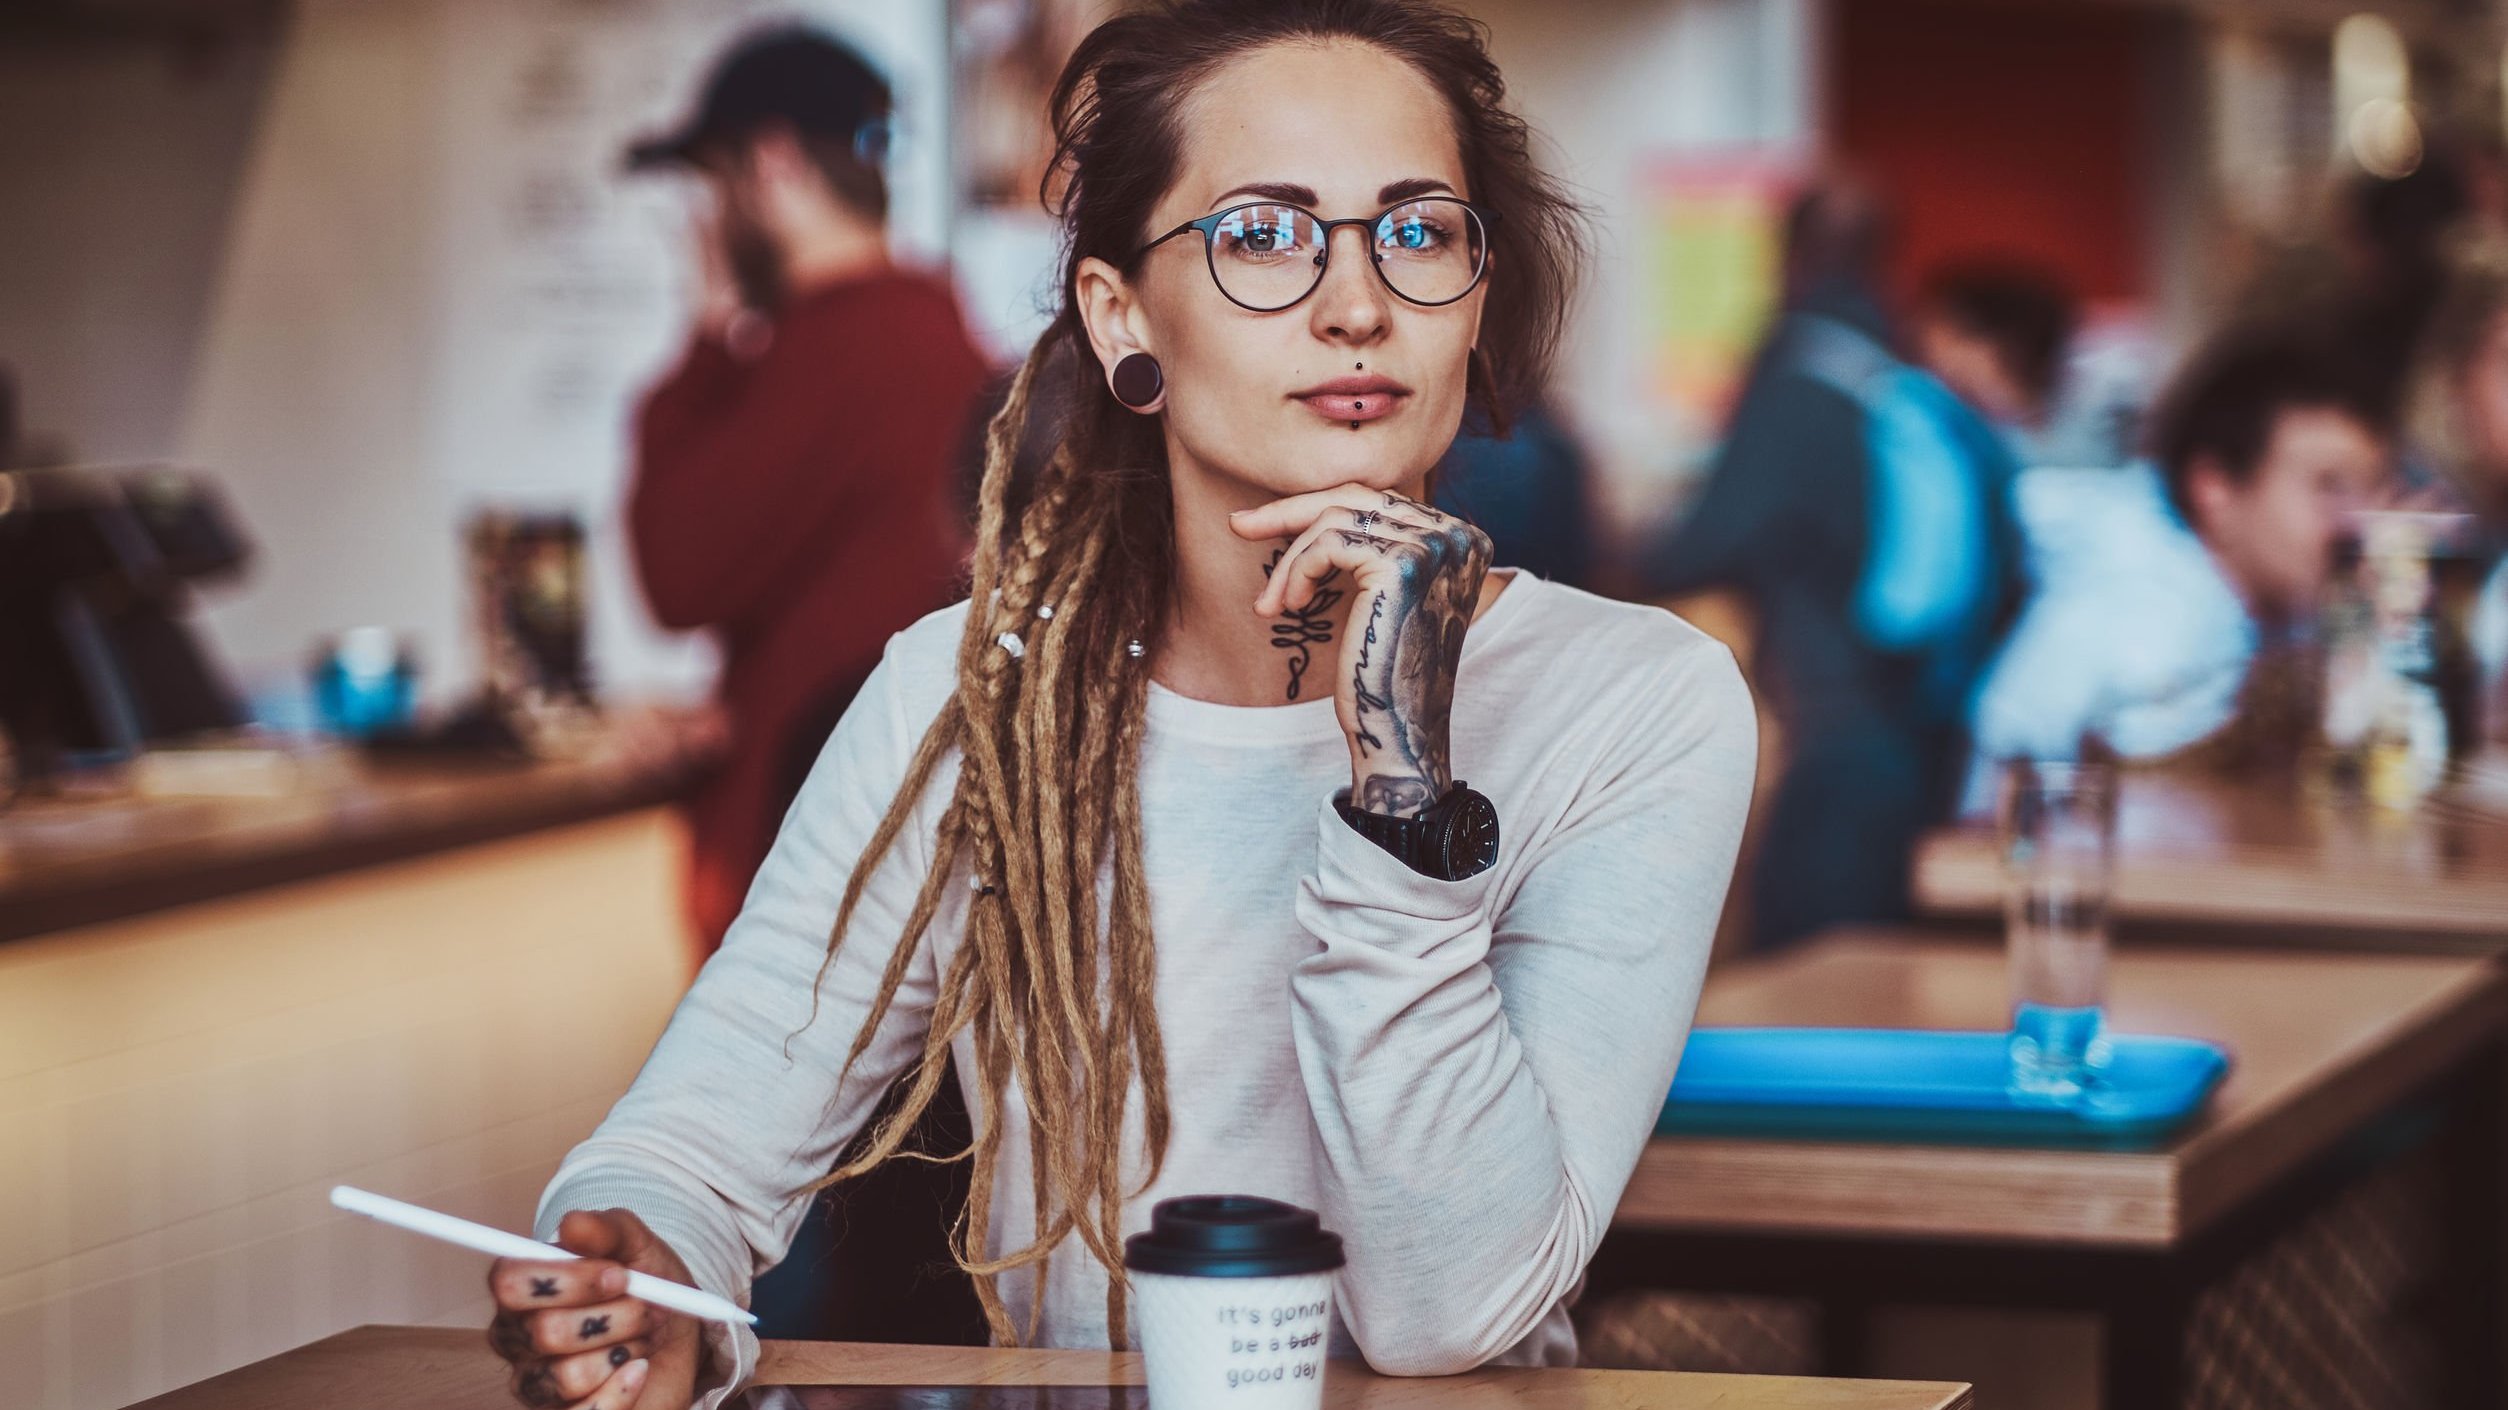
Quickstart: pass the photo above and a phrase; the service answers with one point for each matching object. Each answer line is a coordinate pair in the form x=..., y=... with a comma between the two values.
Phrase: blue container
x=365, y=684
x=1921, y=1085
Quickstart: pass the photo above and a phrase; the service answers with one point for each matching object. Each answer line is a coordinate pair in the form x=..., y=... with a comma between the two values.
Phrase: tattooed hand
x=576, y=1340
x=1413, y=578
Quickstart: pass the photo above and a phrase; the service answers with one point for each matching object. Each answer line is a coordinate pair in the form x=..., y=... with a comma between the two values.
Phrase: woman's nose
x=1352, y=304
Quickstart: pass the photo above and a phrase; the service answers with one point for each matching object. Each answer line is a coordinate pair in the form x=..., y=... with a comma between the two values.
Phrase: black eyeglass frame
x=1209, y=227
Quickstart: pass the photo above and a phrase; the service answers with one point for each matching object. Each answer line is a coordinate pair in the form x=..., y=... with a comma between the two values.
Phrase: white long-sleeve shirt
x=1458, y=1075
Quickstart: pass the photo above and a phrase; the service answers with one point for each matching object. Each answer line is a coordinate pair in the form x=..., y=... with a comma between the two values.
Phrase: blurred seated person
x=791, y=497
x=1865, y=513
x=1529, y=489
x=791, y=481
x=1997, y=334
x=2176, y=599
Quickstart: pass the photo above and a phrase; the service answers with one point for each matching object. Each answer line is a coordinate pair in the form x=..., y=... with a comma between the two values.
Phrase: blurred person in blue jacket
x=2179, y=598
x=1865, y=512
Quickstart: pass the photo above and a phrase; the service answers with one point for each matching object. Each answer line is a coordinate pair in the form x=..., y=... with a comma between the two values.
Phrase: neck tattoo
x=1300, y=630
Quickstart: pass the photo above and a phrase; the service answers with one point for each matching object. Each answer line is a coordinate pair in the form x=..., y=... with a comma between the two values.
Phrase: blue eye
x=1414, y=235
x=1258, y=233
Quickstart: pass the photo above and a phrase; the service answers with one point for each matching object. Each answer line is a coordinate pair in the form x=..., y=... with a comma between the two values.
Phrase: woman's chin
x=1303, y=458
x=1382, y=455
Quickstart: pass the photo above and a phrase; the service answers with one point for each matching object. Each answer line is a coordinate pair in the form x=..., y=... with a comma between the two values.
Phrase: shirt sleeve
x=739, y=1107
x=1482, y=1086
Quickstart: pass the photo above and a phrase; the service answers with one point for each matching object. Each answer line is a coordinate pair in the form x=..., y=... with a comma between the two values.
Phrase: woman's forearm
x=1485, y=1059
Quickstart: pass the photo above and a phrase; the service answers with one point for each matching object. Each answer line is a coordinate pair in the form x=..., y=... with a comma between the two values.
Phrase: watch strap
x=1412, y=841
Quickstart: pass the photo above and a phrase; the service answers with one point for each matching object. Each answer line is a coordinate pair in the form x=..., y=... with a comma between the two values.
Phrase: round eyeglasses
x=1268, y=255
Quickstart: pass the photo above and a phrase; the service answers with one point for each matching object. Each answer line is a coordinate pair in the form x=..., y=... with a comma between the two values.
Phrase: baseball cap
x=789, y=75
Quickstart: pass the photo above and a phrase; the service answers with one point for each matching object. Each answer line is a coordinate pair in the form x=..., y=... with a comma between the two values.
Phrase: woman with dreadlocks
x=1161, y=834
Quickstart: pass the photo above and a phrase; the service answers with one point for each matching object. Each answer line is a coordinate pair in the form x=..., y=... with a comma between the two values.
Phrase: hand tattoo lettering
x=593, y=1327
x=544, y=1287
x=1299, y=631
x=1360, y=673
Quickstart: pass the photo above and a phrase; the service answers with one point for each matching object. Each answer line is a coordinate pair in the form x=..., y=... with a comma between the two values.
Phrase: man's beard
x=756, y=268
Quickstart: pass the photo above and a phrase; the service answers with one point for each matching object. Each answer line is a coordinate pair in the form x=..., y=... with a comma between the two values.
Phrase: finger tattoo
x=1300, y=630
x=594, y=1326
x=619, y=1356
x=544, y=1287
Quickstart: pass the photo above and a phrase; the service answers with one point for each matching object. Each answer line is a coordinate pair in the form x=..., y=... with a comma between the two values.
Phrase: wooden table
x=87, y=859
x=2332, y=1051
x=435, y=1368
x=2286, y=861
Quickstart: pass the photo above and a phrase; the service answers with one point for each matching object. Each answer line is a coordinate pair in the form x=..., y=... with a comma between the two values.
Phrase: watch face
x=1471, y=837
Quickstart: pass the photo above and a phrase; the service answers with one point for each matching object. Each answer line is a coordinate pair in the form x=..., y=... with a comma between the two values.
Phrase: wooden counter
x=449, y=1369
x=179, y=1091
x=71, y=862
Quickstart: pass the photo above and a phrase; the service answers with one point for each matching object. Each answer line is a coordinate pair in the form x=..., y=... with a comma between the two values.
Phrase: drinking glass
x=2059, y=856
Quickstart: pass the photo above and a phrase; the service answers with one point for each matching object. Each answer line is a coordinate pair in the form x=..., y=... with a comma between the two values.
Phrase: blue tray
x=1915, y=1084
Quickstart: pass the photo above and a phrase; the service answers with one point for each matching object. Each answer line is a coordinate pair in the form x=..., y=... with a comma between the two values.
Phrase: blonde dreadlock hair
x=1054, y=982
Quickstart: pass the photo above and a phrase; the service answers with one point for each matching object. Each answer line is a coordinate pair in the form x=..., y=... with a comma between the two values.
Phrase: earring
x=1138, y=381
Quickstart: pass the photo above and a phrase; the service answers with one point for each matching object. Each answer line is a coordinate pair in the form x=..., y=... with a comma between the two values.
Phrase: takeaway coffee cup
x=1234, y=1299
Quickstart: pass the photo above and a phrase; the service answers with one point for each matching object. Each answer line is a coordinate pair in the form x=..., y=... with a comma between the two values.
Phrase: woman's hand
x=573, y=1335
x=1417, y=576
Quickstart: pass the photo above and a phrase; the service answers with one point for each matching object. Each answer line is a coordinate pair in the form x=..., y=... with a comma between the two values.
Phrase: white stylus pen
x=661, y=1292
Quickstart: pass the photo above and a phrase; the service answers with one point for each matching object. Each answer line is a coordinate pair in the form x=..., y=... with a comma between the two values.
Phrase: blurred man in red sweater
x=792, y=473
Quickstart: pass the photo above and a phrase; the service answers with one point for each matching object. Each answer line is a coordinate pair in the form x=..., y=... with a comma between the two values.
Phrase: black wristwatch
x=1457, y=837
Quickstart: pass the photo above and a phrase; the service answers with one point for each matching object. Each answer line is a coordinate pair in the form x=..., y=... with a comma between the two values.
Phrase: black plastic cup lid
x=1232, y=1236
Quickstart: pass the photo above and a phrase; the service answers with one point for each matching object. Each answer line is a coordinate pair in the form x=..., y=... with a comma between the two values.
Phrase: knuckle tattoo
x=537, y=1386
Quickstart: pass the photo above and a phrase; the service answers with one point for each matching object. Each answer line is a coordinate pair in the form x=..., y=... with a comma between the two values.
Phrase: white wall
x=441, y=294
x=119, y=165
